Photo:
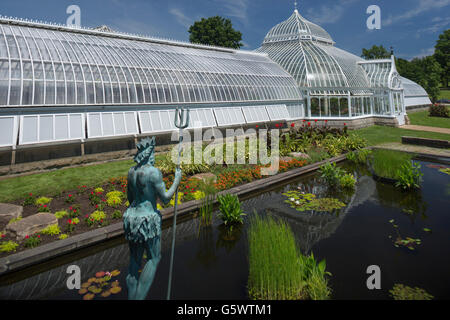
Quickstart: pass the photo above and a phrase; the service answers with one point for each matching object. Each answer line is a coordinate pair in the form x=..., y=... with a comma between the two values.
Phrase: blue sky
x=410, y=26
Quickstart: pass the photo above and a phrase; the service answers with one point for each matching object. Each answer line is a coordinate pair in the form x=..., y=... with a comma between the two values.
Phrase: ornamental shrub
x=439, y=110
x=52, y=230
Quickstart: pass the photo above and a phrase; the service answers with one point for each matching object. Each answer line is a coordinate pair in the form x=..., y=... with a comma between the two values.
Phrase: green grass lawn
x=380, y=134
x=421, y=118
x=49, y=183
x=54, y=182
x=445, y=94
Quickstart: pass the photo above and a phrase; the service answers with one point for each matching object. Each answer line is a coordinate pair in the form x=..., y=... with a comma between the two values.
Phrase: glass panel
x=130, y=120
x=61, y=127
x=108, y=126
x=119, y=124
x=7, y=131
x=30, y=127
x=46, y=128
x=95, y=128
x=76, y=126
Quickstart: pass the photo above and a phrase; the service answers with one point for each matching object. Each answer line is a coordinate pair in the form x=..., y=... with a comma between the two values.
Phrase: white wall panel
x=278, y=112
x=255, y=114
x=8, y=131
x=108, y=124
x=50, y=128
x=229, y=116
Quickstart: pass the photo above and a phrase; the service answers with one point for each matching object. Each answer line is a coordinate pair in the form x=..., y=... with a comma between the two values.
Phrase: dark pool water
x=209, y=267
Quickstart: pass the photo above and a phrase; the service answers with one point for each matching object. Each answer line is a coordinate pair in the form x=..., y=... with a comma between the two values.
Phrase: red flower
x=315, y=120
x=345, y=124
x=39, y=236
x=86, y=216
x=45, y=206
x=96, y=206
x=70, y=195
x=70, y=221
x=27, y=237
x=31, y=194
x=326, y=121
x=292, y=125
x=304, y=120
x=257, y=126
x=3, y=235
x=309, y=124
x=92, y=192
x=277, y=125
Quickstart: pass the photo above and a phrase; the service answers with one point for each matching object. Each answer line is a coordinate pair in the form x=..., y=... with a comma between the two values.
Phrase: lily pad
x=115, y=290
x=89, y=296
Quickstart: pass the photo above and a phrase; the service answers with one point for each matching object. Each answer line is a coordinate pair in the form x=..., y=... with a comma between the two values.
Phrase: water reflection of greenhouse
x=89, y=87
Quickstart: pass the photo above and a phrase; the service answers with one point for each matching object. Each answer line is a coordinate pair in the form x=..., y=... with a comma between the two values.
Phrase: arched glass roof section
x=413, y=89
x=297, y=28
x=307, y=52
x=54, y=65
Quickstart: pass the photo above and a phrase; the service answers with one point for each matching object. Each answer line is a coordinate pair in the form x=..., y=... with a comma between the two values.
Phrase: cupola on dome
x=297, y=28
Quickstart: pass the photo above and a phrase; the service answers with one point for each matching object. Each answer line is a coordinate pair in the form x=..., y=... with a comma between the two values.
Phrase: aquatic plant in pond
x=407, y=242
x=230, y=210
x=402, y=292
x=208, y=188
x=336, y=177
x=360, y=156
x=100, y=285
x=387, y=163
x=409, y=176
x=277, y=269
x=306, y=201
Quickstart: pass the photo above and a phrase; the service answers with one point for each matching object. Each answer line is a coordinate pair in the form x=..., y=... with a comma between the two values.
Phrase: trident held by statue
x=181, y=122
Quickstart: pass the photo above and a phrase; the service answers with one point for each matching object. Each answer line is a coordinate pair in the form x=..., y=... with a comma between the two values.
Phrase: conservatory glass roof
x=307, y=52
x=54, y=65
x=297, y=28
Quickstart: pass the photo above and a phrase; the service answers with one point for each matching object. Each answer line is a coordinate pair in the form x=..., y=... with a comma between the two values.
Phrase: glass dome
x=297, y=28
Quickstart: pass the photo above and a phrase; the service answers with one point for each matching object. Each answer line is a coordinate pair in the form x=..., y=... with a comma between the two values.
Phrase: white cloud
x=181, y=17
x=420, y=7
x=328, y=14
x=438, y=24
x=235, y=8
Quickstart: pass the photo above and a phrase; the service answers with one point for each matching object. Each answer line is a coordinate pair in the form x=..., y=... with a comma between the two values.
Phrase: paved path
x=415, y=149
x=425, y=128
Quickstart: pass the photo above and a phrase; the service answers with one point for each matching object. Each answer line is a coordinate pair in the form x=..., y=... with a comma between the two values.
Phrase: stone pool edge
x=52, y=250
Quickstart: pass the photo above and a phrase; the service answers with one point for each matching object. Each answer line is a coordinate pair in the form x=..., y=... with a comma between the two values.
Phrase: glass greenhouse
x=60, y=84
x=335, y=83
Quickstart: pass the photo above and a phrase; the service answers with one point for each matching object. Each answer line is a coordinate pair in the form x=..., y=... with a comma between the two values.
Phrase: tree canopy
x=442, y=56
x=215, y=31
x=376, y=52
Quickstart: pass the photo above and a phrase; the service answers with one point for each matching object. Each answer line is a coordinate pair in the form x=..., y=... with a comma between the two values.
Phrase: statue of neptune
x=142, y=220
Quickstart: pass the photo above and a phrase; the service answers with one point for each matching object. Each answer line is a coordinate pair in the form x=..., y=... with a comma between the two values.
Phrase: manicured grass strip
x=380, y=134
x=445, y=94
x=54, y=182
x=422, y=119
x=386, y=163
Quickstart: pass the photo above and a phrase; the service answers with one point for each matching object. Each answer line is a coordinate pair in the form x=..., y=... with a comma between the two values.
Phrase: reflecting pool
x=211, y=263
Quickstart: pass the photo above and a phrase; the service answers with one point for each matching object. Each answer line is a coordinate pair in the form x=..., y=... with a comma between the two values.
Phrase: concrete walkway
x=415, y=149
x=425, y=128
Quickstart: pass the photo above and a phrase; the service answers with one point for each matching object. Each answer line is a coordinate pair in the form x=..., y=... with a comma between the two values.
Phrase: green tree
x=425, y=71
x=442, y=56
x=215, y=31
x=376, y=52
